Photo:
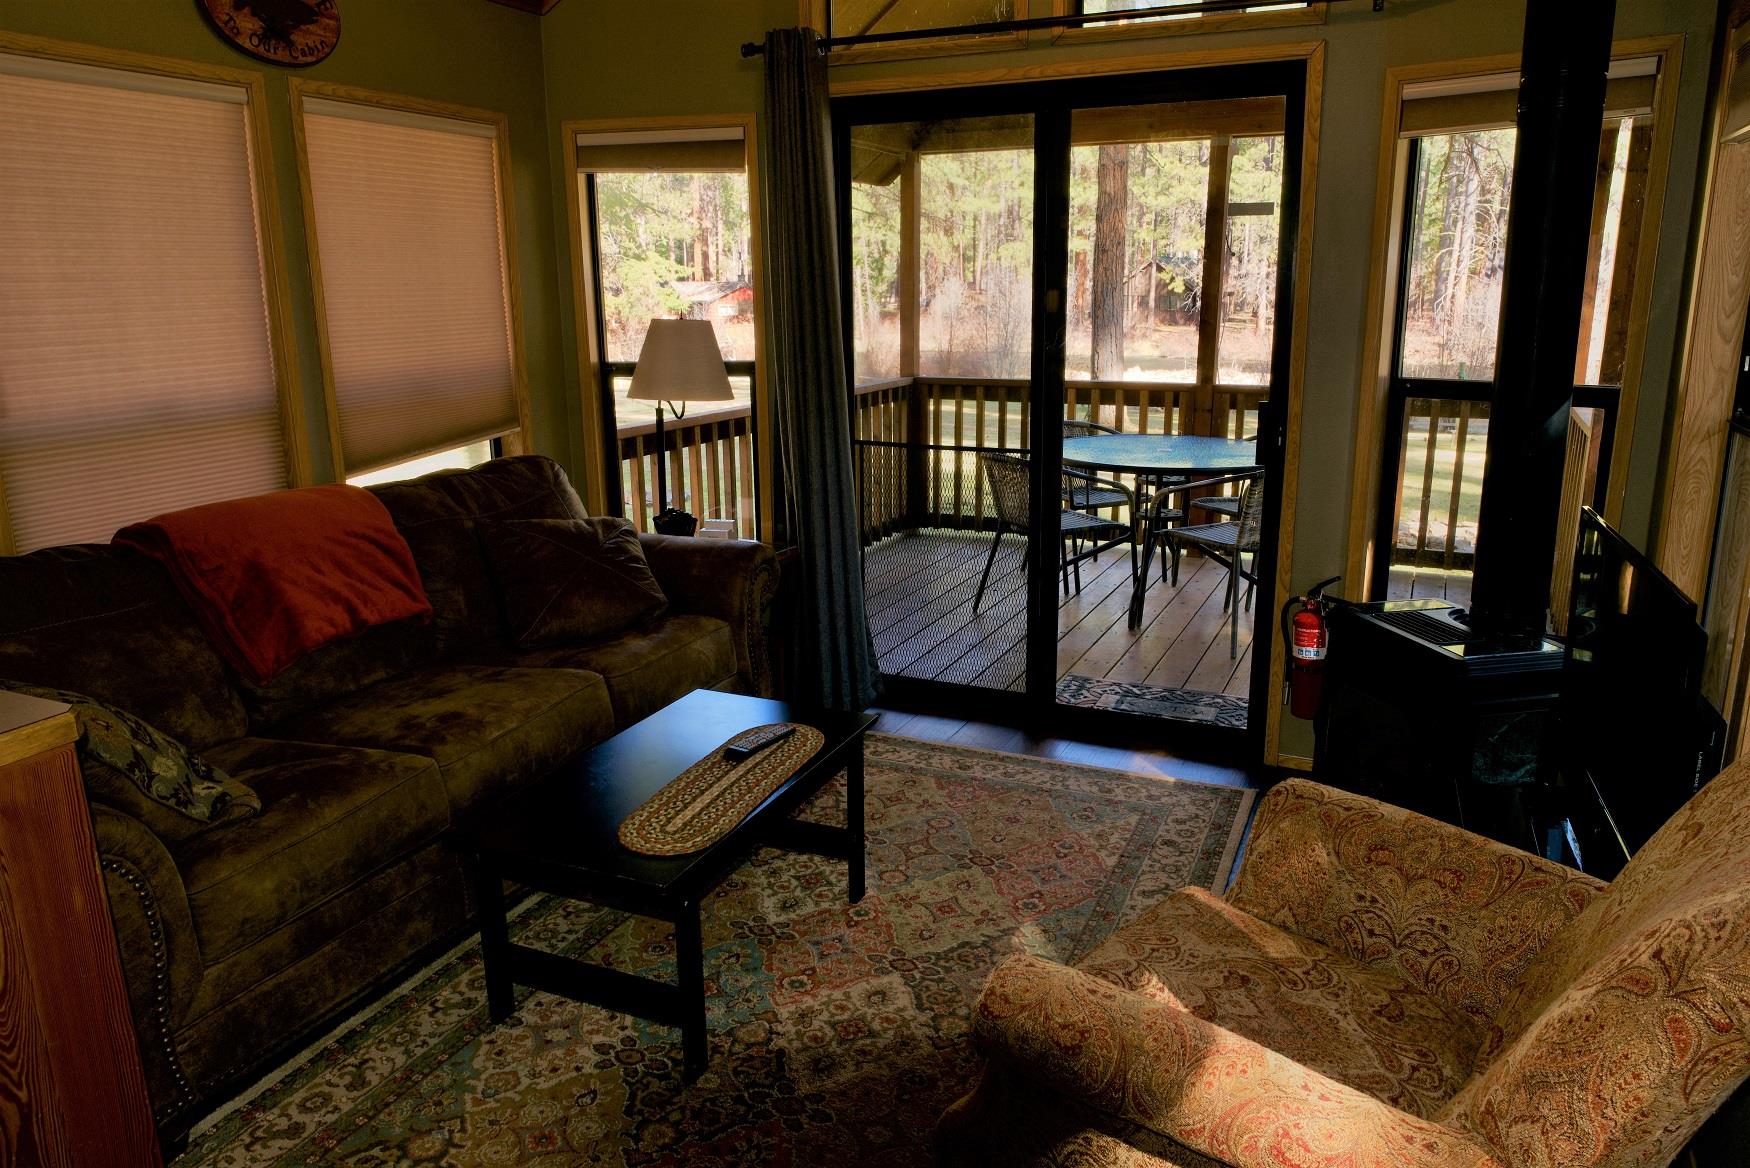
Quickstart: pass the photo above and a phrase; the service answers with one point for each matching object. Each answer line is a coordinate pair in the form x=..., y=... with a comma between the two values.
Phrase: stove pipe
x=1561, y=111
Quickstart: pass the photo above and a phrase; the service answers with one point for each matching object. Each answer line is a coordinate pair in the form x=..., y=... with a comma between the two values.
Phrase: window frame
x=519, y=437
x=1451, y=390
x=1376, y=400
x=269, y=231
x=600, y=485
x=1209, y=22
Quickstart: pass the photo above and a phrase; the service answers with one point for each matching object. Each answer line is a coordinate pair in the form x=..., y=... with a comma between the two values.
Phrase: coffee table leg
x=854, y=818
x=494, y=940
x=690, y=977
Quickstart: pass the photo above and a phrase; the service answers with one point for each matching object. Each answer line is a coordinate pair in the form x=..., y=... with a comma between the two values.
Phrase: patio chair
x=1083, y=490
x=1011, y=494
x=1225, y=543
x=1228, y=505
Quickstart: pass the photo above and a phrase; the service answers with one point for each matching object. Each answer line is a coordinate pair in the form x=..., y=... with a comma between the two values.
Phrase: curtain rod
x=1074, y=20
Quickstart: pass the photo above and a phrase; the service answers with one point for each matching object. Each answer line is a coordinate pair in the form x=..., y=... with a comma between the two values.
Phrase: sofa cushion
x=648, y=667
x=569, y=580
x=1359, y=1024
x=437, y=513
x=341, y=667
x=488, y=727
x=331, y=815
x=108, y=622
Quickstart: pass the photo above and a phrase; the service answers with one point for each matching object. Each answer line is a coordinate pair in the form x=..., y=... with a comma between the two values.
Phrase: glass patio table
x=1161, y=456
x=1156, y=458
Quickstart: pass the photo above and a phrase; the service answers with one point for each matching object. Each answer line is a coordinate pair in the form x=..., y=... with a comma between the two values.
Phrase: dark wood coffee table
x=561, y=836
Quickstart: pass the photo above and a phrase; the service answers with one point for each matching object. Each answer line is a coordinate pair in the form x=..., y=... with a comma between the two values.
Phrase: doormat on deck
x=1158, y=701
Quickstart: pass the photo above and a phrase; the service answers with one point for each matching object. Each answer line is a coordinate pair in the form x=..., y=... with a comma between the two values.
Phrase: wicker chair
x=1082, y=490
x=1225, y=543
x=1011, y=494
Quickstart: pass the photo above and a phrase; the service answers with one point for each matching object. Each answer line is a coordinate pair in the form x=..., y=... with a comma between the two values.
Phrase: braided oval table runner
x=700, y=805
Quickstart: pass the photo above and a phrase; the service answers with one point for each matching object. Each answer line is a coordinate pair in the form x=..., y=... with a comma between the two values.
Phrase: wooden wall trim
x=1705, y=390
x=1055, y=70
x=1312, y=135
x=1719, y=291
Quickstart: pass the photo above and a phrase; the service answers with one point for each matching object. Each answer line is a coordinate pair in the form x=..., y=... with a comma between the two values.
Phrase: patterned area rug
x=838, y=1034
x=1160, y=701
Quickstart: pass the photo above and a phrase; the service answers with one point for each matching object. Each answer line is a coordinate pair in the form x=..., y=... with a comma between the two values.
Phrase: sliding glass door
x=1090, y=263
x=941, y=240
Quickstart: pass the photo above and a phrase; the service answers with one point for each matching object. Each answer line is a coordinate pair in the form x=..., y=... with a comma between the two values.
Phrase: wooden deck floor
x=920, y=591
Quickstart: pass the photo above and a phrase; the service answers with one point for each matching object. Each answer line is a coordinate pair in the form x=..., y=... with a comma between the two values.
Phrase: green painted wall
x=465, y=51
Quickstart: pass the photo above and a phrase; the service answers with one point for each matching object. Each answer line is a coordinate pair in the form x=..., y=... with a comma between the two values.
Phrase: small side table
x=72, y=1092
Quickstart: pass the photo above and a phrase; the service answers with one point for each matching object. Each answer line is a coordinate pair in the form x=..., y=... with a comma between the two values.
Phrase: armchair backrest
x=1633, y=1025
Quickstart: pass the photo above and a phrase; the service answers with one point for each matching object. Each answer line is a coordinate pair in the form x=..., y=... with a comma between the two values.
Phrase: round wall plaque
x=285, y=32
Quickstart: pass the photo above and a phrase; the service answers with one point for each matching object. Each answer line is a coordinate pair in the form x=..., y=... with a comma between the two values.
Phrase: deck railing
x=917, y=442
x=710, y=468
x=918, y=439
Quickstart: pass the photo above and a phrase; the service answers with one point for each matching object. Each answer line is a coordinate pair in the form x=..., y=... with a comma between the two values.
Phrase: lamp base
x=674, y=521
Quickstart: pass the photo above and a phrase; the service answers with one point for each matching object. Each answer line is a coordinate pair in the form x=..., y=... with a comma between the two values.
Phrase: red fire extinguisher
x=1305, y=634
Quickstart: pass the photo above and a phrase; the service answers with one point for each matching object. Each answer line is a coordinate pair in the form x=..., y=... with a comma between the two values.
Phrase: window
x=671, y=234
x=460, y=458
x=1173, y=245
x=1459, y=142
x=848, y=18
x=408, y=211
x=1167, y=24
x=137, y=346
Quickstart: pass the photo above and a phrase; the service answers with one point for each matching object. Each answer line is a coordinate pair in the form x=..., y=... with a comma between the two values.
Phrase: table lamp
x=679, y=363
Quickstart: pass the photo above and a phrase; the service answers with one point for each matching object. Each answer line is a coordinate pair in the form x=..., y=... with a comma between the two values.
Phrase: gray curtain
x=834, y=658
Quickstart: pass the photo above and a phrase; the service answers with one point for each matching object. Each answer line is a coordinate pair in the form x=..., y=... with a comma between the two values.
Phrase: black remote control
x=750, y=743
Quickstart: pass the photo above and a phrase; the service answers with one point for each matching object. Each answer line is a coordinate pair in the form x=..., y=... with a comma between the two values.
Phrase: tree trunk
x=701, y=233
x=1107, y=299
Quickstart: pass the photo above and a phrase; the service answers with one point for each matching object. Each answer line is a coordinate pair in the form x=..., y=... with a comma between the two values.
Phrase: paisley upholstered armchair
x=1378, y=989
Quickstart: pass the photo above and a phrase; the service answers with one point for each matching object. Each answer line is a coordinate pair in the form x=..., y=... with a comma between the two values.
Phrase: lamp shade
x=680, y=361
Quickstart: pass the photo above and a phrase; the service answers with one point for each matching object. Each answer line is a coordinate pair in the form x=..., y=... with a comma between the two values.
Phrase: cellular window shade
x=409, y=239
x=703, y=149
x=1492, y=102
x=136, y=368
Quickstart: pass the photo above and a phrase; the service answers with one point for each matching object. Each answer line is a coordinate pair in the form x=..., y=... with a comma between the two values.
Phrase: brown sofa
x=240, y=939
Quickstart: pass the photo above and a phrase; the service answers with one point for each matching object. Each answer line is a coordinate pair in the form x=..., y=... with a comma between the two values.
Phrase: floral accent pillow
x=162, y=768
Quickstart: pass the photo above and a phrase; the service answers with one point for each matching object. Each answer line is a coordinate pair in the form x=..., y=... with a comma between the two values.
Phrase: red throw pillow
x=570, y=580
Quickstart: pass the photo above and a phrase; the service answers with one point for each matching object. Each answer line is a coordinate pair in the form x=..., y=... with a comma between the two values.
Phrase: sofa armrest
x=1153, y=1064
x=155, y=936
x=734, y=580
x=1450, y=911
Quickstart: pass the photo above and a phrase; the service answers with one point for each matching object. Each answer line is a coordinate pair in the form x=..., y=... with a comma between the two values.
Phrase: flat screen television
x=1639, y=739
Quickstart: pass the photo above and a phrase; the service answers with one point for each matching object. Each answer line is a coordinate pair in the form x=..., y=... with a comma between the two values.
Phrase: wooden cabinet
x=71, y=1089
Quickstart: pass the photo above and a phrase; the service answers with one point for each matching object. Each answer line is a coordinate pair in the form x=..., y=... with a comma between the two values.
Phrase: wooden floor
x=1136, y=758
x=920, y=588
x=1407, y=582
